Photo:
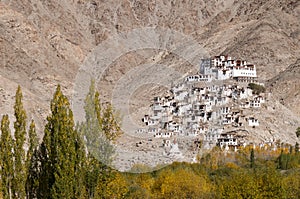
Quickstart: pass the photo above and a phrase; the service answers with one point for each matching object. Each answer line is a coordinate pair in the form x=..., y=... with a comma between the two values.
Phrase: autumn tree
x=181, y=183
x=291, y=184
x=92, y=129
x=116, y=187
x=59, y=152
x=269, y=182
x=110, y=123
x=80, y=168
x=287, y=161
x=33, y=176
x=31, y=179
x=33, y=142
x=239, y=184
x=89, y=131
x=107, y=117
x=252, y=159
x=19, y=152
x=100, y=149
x=6, y=158
x=140, y=186
x=92, y=175
x=100, y=128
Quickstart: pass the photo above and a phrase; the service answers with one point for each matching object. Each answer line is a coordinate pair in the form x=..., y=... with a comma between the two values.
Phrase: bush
x=257, y=89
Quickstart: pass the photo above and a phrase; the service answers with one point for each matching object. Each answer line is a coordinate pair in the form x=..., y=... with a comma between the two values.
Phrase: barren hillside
x=43, y=43
x=285, y=87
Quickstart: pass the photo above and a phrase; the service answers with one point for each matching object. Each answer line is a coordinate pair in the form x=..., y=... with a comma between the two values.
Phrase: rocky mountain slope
x=285, y=87
x=43, y=43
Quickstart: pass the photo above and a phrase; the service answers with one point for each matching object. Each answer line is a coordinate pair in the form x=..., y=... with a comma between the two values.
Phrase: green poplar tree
x=91, y=128
x=59, y=151
x=110, y=123
x=108, y=119
x=96, y=140
x=19, y=152
x=252, y=163
x=6, y=158
x=99, y=129
x=31, y=163
x=33, y=142
x=41, y=172
x=93, y=172
x=80, y=167
x=33, y=177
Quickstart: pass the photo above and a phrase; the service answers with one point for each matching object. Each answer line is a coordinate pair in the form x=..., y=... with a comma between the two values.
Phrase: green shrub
x=257, y=89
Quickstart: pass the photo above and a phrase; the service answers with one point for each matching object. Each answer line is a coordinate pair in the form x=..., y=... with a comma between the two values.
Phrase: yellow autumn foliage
x=181, y=183
x=115, y=188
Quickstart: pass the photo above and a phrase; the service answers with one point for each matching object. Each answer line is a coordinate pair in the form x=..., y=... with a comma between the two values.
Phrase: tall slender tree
x=33, y=142
x=110, y=123
x=31, y=162
x=33, y=176
x=6, y=158
x=99, y=129
x=108, y=119
x=80, y=167
x=97, y=141
x=93, y=171
x=59, y=151
x=252, y=158
x=19, y=152
x=91, y=128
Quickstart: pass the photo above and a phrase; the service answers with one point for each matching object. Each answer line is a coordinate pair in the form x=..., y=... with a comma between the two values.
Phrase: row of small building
x=203, y=105
x=223, y=68
x=195, y=110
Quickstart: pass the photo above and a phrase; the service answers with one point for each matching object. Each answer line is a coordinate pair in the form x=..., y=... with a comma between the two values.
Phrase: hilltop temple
x=223, y=68
x=214, y=112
